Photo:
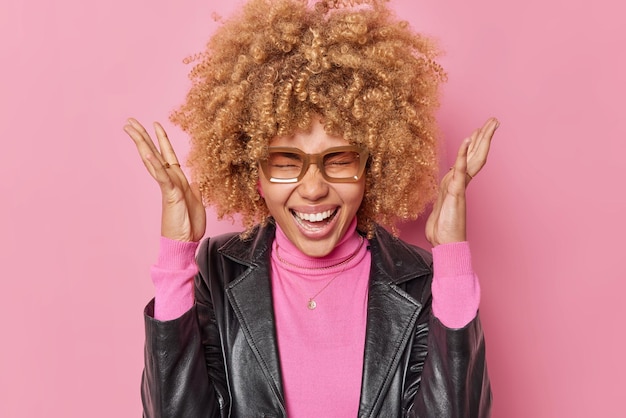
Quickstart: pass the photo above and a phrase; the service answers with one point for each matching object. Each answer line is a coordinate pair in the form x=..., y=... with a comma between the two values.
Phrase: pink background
x=79, y=217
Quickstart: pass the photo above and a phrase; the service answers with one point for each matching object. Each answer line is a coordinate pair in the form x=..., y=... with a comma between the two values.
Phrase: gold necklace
x=312, y=304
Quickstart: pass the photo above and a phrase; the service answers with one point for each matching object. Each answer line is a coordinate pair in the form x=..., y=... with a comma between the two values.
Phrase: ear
x=260, y=189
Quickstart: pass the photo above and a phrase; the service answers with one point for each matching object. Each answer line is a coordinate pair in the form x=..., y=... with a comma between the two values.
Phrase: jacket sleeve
x=175, y=382
x=453, y=382
x=183, y=373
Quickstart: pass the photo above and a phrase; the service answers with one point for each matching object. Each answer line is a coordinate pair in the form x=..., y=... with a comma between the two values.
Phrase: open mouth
x=314, y=221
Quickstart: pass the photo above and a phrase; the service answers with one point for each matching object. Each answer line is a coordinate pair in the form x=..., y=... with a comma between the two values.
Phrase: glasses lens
x=342, y=165
x=339, y=164
x=284, y=165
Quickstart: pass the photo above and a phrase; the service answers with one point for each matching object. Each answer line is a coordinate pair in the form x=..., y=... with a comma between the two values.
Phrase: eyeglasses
x=338, y=164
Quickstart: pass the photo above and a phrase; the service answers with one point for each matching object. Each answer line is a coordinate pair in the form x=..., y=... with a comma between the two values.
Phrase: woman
x=316, y=125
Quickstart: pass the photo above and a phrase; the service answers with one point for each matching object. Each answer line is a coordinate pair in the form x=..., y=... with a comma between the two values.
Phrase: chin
x=317, y=248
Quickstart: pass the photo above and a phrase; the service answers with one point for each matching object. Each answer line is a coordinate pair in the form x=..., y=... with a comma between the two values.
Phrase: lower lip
x=316, y=232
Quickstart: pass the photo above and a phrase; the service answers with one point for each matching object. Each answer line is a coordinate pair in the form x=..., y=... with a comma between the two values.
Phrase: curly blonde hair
x=269, y=70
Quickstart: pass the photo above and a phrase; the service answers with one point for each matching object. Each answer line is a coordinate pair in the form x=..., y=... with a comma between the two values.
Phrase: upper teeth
x=314, y=217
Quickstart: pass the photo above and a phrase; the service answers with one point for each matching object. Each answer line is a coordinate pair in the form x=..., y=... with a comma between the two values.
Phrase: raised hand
x=183, y=216
x=446, y=222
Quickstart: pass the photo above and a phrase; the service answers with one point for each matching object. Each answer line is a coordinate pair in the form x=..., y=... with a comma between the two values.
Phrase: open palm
x=447, y=221
x=183, y=215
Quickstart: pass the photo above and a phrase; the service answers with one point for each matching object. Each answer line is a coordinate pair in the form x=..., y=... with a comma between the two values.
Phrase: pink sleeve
x=456, y=291
x=172, y=276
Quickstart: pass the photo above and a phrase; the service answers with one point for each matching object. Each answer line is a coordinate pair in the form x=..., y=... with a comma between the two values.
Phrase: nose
x=313, y=186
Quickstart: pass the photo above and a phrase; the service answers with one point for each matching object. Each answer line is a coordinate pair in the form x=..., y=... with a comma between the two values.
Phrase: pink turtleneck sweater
x=321, y=349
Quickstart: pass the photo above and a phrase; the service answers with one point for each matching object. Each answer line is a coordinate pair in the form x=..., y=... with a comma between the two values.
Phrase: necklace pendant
x=311, y=304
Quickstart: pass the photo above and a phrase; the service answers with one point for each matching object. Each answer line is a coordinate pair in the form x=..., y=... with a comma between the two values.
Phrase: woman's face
x=313, y=213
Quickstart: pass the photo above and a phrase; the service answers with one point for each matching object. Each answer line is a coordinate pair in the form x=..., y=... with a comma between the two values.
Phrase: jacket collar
x=393, y=258
x=391, y=313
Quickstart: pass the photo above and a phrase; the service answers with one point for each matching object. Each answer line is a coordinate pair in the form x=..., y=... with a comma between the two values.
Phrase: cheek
x=275, y=196
x=353, y=196
x=359, y=192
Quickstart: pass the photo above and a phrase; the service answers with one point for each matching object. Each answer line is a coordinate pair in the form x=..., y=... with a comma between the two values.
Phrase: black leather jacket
x=220, y=359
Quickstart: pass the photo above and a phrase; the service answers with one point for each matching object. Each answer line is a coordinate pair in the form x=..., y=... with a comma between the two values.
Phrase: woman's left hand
x=446, y=223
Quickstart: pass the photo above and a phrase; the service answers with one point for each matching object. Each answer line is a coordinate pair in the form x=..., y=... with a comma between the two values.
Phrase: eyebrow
x=292, y=155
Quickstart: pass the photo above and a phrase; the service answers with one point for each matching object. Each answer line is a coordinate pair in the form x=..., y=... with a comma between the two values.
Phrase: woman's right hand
x=183, y=215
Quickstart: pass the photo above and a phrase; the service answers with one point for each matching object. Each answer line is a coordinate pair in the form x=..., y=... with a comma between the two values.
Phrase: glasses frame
x=317, y=159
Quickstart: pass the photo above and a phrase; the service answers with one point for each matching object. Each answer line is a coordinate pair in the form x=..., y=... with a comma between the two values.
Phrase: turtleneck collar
x=344, y=249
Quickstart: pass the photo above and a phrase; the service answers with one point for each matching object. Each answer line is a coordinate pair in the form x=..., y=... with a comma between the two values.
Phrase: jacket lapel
x=391, y=317
x=251, y=298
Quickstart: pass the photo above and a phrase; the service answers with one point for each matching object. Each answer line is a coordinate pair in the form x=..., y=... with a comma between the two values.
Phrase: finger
x=165, y=145
x=142, y=148
x=460, y=178
x=142, y=139
x=487, y=130
x=440, y=195
x=484, y=132
x=192, y=194
x=150, y=161
x=146, y=138
x=160, y=173
x=442, y=192
x=195, y=205
x=474, y=137
x=481, y=149
x=195, y=189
